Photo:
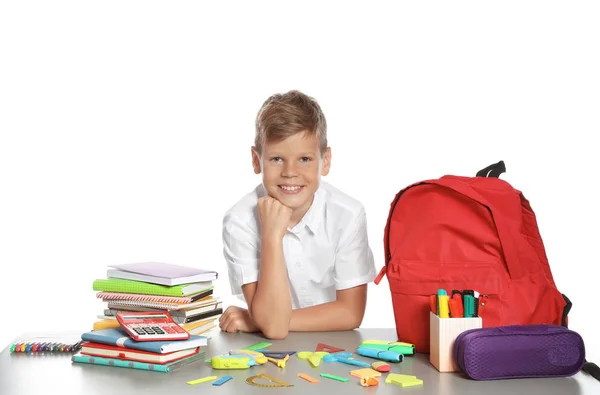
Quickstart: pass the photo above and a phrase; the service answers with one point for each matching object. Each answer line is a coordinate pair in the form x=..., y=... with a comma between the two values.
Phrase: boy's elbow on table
x=275, y=333
x=272, y=330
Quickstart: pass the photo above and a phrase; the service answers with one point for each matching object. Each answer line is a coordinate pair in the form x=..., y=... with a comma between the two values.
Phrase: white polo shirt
x=327, y=250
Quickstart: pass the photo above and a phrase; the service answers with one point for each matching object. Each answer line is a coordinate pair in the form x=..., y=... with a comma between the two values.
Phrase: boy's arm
x=345, y=313
x=270, y=304
x=269, y=301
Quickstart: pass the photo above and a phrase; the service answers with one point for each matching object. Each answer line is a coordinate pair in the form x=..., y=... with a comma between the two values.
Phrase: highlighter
x=441, y=292
x=231, y=362
x=443, y=302
x=469, y=306
x=403, y=349
x=388, y=356
x=353, y=362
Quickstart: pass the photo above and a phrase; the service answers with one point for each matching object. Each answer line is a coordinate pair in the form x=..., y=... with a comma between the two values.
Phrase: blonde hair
x=285, y=114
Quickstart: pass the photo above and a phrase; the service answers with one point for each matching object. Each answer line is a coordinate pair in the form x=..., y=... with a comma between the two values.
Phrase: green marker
x=406, y=350
x=338, y=378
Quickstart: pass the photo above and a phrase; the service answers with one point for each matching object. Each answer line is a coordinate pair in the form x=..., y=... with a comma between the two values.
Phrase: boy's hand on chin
x=274, y=217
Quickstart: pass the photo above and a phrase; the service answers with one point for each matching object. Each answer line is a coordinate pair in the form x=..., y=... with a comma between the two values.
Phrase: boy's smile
x=292, y=169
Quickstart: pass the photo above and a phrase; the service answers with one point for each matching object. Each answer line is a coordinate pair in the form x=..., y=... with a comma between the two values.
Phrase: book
x=161, y=273
x=105, y=324
x=125, y=304
x=118, y=337
x=106, y=351
x=197, y=324
x=110, y=312
x=139, y=287
x=106, y=296
x=167, y=367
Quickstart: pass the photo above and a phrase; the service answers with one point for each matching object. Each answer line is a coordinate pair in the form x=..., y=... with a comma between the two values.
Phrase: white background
x=126, y=129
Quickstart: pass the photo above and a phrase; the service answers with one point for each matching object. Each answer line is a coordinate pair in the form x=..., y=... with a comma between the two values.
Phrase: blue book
x=118, y=337
x=121, y=363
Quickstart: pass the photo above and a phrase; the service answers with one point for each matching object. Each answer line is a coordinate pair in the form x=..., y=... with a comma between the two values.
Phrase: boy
x=296, y=247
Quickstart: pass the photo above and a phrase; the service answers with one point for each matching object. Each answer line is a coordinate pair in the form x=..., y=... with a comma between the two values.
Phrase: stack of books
x=187, y=294
x=113, y=347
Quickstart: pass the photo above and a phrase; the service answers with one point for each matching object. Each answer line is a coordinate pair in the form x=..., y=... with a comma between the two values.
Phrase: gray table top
x=50, y=374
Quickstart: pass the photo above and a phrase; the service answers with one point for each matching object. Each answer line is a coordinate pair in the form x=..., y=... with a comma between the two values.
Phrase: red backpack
x=476, y=233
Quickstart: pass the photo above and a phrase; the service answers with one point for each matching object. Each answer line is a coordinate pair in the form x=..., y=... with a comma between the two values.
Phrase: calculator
x=151, y=326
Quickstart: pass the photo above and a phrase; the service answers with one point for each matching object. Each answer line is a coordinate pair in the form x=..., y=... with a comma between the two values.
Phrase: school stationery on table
x=388, y=356
x=46, y=344
x=139, y=287
x=403, y=380
x=459, y=304
x=106, y=351
x=449, y=316
x=118, y=337
x=151, y=326
x=122, y=363
x=271, y=382
x=170, y=300
x=399, y=347
x=160, y=273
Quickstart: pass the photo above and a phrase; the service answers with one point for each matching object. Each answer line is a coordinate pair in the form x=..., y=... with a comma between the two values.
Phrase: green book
x=139, y=287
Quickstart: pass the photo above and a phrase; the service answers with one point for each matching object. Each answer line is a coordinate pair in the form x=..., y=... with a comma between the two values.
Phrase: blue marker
x=389, y=356
x=353, y=362
x=222, y=380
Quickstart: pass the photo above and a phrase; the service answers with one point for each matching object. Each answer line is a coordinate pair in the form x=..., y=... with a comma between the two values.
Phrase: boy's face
x=292, y=169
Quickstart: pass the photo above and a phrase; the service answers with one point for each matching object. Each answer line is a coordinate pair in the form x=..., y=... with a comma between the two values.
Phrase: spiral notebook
x=166, y=306
x=109, y=296
x=139, y=287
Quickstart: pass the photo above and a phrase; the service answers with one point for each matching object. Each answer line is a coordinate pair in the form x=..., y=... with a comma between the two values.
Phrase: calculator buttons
x=151, y=327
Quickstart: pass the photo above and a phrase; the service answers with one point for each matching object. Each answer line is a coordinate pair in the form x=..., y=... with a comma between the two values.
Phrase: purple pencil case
x=519, y=351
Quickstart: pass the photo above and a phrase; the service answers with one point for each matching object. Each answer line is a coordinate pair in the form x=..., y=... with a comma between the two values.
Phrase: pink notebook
x=161, y=273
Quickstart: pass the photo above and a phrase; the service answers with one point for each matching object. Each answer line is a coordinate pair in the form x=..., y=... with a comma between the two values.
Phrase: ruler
x=272, y=381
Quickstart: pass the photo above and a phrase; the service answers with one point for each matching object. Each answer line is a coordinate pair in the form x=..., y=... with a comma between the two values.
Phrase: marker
x=441, y=292
x=469, y=306
x=443, y=306
x=433, y=304
x=389, y=356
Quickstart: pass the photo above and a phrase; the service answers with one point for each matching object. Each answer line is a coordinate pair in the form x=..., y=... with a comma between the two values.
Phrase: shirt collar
x=313, y=216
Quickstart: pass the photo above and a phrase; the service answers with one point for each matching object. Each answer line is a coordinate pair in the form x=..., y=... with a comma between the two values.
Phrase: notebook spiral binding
x=143, y=298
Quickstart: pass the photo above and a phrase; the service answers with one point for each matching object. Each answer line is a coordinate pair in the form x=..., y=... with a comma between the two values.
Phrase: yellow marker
x=230, y=362
x=202, y=380
x=443, y=301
